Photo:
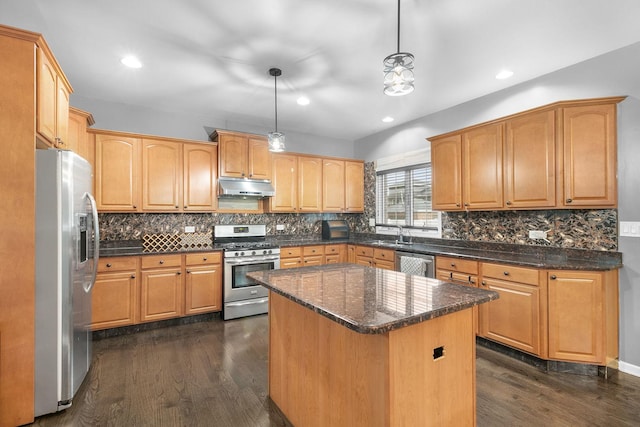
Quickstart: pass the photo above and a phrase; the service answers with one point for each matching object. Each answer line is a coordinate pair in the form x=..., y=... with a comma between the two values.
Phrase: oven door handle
x=249, y=302
x=246, y=261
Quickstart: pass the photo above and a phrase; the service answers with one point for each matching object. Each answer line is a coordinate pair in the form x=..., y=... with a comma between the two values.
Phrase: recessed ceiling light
x=504, y=74
x=131, y=61
x=387, y=119
x=303, y=100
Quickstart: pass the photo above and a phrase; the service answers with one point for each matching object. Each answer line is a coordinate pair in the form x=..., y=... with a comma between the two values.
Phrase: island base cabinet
x=324, y=374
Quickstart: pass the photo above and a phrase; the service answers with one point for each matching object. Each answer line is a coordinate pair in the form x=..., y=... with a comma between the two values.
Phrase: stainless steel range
x=245, y=250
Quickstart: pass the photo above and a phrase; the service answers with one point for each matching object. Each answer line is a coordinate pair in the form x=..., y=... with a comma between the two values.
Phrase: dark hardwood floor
x=215, y=374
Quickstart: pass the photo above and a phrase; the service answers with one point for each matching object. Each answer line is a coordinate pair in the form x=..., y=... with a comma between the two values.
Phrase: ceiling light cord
x=275, y=90
x=398, y=50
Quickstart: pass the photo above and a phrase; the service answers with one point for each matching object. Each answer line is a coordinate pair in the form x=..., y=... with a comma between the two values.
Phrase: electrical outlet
x=279, y=227
x=629, y=228
x=537, y=234
x=190, y=229
x=372, y=222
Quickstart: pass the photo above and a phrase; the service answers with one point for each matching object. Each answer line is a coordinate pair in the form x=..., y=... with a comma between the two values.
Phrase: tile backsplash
x=580, y=229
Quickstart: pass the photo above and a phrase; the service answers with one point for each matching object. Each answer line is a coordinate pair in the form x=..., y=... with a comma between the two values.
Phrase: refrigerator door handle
x=96, y=241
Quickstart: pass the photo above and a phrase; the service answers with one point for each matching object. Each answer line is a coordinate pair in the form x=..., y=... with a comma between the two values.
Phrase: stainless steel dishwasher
x=416, y=264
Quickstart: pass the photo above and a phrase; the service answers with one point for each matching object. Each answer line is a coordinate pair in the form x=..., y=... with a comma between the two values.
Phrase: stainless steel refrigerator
x=67, y=250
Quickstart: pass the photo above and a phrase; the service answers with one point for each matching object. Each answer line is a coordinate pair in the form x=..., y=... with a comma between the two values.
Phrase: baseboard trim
x=628, y=368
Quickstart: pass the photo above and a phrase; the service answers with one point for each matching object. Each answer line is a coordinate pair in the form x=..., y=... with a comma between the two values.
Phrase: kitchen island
x=361, y=346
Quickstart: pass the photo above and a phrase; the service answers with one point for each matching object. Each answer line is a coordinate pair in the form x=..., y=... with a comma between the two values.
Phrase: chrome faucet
x=400, y=235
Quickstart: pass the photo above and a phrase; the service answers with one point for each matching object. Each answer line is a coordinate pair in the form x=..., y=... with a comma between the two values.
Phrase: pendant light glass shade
x=398, y=74
x=275, y=138
x=398, y=70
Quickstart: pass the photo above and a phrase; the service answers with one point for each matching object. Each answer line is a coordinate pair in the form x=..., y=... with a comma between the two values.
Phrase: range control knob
x=264, y=252
x=270, y=251
x=241, y=253
x=253, y=253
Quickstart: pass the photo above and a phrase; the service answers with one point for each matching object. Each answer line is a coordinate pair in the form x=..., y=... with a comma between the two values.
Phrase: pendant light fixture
x=398, y=70
x=276, y=139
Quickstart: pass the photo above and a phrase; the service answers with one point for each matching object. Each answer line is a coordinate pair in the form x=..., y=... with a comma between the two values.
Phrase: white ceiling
x=211, y=57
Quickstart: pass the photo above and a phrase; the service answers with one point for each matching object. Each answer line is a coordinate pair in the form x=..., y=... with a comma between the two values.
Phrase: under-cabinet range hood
x=240, y=187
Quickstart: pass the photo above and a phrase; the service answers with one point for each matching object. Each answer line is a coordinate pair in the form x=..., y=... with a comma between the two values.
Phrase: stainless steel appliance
x=67, y=250
x=245, y=250
x=416, y=264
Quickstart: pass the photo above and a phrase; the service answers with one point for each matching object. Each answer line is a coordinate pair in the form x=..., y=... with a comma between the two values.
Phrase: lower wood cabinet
x=161, y=288
x=135, y=289
x=583, y=316
x=115, y=293
x=374, y=257
x=460, y=271
x=516, y=318
x=291, y=257
x=311, y=255
x=203, y=283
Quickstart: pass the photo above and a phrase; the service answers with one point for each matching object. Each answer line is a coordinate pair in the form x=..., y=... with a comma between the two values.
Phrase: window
x=403, y=198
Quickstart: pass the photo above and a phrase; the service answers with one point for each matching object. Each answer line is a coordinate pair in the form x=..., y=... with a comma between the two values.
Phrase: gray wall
x=611, y=74
x=129, y=118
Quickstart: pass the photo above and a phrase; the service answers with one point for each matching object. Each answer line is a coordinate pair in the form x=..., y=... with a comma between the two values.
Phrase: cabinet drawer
x=384, y=254
x=511, y=273
x=203, y=258
x=457, y=264
x=117, y=264
x=156, y=261
x=331, y=249
x=364, y=251
x=293, y=251
x=312, y=250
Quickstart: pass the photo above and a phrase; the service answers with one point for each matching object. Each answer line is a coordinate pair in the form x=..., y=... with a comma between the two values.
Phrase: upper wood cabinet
x=154, y=174
x=446, y=173
x=242, y=155
x=285, y=183
x=199, y=177
x=333, y=185
x=529, y=161
x=589, y=139
x=161, y=175
x=117, y=173
x=557, y=156
x=52, y=100
x=482, y=167
x=354, y=186
x=309, y=184
x=78, y=140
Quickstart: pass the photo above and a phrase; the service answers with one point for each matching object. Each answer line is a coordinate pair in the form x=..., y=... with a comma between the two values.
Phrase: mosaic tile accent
x=580, y=229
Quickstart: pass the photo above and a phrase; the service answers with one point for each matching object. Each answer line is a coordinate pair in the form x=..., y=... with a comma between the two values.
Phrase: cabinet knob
x=508, y=202
x=161, y=261
x=179, y=273
x=553, y=277
x=473, y=282
x=108, y=265
x=177, y=206
x=451, y=276
x=569, y=200
x=457, y=205
x=453, y=264
x=185, y=206
x=204, y=258
x=484, y=283
x=133, y=276
x=506, y=273
x=466, y=204
x=188, y=271
x=135, y=207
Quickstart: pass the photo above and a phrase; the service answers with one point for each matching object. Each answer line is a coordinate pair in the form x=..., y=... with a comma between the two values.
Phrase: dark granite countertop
x=523, y=255
x=370, y=300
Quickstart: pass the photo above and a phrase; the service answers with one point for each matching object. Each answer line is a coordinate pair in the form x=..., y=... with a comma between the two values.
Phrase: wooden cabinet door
x=114, y=300
x=200, y=163
x=514, y=318
x=160, y=294
x=482, y=160
x=161, y=175
x=117, y=173
x=78, y=140
x=589, y=140
x=259, y=159
x=46, y=97
x=285, y=183
x=354, y=186
x=530, y=165
x=309, y=184
x=203, y=292
x=332, y=185
x=335, y=253
x=233, y=155
x=446, y=173
x=576, y=316
x=62, y=114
